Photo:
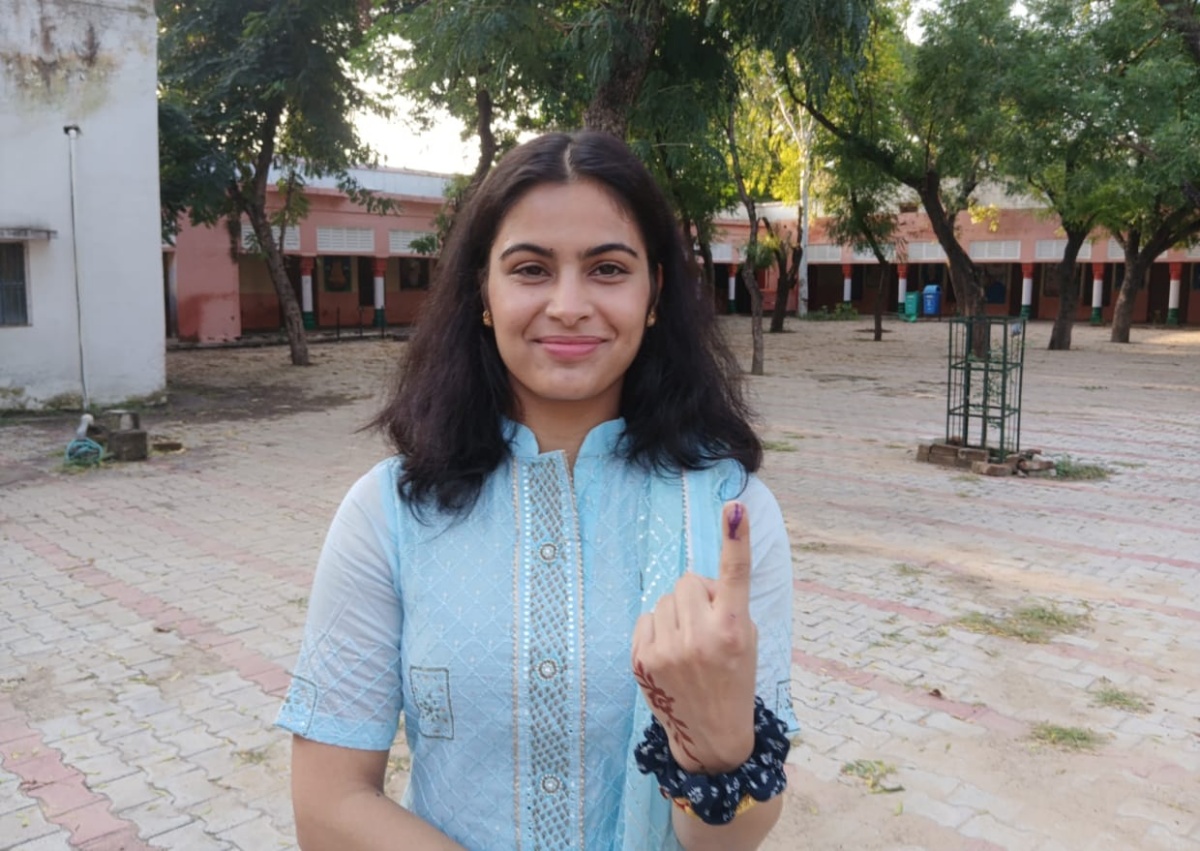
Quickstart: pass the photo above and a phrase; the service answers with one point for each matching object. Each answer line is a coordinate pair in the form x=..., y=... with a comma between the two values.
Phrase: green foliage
x=1067, y=467
x=245, y=86
x=1033, y=624
x=1067, y=738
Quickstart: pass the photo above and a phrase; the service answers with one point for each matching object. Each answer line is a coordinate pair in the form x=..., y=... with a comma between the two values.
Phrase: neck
x=563, y=426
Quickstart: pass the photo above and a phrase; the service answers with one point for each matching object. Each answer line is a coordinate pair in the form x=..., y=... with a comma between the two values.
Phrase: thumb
x=733, y=577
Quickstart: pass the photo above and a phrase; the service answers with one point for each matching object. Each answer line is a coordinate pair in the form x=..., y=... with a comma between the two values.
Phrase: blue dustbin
x=931, y=300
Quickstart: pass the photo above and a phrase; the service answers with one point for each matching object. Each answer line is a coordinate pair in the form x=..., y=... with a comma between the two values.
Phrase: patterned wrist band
x=718, y=798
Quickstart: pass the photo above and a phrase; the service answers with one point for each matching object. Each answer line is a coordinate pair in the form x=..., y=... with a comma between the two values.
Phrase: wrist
x=717, y=755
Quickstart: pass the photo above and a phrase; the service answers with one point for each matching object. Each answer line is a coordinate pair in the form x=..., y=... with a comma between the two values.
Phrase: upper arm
x=322, y=772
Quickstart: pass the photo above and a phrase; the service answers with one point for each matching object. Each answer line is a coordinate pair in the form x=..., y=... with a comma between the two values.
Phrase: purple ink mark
x=735, y=520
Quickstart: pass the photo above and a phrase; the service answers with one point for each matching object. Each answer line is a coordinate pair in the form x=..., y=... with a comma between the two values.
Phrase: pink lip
x=569, y=348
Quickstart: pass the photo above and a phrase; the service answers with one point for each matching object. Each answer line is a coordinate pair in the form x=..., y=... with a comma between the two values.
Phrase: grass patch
x=1067, y=738
x=252, y=757
x=1115, y=698
x=874, y=773
x=1035, y=624
x=908, y=569
x=1067, y=467
x=965, y=477
x=778, y=446
x=1129, y=465
x=811, y=547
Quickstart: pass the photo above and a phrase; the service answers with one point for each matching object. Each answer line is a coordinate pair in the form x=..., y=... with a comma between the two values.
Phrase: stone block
x=970, y=456
x=985, y=468
x=923, y=452
x=129, y=445
x=1031, y=466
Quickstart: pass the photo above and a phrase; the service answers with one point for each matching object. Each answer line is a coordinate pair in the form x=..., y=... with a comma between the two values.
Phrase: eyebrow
x=595, y=251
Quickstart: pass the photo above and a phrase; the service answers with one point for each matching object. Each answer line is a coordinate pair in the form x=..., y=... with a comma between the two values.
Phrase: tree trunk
x=293, y=321
x=1136, y=264
x=1068, y=291
x=747, y=270
x=484, y=111
x=964, y=274
x=756, y=314
x=788, y=274
x=614, y=97
x=254, y=204
x=1139, y=256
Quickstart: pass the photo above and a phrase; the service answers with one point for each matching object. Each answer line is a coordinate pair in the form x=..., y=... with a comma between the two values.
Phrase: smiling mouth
x=570, y=348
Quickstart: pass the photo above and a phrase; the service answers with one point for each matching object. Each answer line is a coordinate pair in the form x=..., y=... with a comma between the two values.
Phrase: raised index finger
x=733, y=576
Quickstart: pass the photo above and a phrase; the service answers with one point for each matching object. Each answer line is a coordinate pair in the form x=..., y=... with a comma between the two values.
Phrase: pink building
x=1016, y=245
x=348, y=267
x=351, y=268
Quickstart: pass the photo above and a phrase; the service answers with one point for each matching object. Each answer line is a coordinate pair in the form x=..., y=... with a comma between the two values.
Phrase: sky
x=441, y=149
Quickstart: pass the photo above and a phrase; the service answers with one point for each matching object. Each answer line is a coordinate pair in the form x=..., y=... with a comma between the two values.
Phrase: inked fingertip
x=735, y=520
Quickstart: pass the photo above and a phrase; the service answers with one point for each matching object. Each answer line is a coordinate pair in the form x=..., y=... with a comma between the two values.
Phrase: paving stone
x=25, y=825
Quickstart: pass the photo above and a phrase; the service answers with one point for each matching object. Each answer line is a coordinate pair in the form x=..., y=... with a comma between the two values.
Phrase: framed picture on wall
x=337, y=274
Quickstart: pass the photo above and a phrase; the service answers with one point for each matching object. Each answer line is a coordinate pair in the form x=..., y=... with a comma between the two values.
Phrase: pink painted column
x=902, y=289
x=847, y=282
x=1173, y=296
x=1026, y=290
x=380, y=273
x=1097, y=293
x=306, y=291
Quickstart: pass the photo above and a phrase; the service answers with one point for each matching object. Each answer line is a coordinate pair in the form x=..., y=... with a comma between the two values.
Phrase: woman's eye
x=529, y=270
x=610, y=270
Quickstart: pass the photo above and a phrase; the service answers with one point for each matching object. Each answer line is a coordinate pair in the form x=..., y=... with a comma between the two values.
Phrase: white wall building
x=80, y=245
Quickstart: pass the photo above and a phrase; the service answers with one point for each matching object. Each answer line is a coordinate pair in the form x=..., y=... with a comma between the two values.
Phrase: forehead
x=580, y=211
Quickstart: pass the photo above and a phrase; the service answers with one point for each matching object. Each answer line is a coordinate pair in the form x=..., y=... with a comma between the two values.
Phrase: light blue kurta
x=504, y=638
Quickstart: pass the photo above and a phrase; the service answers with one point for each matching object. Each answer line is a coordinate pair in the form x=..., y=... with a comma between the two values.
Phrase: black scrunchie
x=714, y=798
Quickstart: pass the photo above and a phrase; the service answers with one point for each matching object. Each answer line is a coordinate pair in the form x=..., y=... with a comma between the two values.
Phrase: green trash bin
x=912, y=306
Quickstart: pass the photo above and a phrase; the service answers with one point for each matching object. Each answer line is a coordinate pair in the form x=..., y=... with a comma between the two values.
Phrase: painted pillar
x=847, y=282
x=902, y=288
x=306, y=292
x=380, y=274
x=1097, y=293
x=733, y=273
x=1173, y=297
x=1026, y=290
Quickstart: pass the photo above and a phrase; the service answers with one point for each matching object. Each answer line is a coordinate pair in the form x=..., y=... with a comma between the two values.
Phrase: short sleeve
x=771, y=595
x=346, y=688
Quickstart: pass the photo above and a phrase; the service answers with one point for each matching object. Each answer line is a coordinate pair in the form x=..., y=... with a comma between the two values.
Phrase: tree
x=1145, y=203
x=752, y=258
x=927, y=115
x=1184, y=17
x=1058, y=141
x=485, y=64
x=864, y=202
x=253, y=85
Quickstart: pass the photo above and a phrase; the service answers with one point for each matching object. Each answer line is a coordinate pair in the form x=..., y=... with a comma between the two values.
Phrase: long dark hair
x=681, y=397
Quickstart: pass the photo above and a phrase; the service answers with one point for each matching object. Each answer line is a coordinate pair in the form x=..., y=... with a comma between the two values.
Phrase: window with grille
x=14, y=307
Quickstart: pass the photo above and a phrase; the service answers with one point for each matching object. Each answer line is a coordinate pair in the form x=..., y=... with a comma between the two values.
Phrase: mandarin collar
x=601, y=440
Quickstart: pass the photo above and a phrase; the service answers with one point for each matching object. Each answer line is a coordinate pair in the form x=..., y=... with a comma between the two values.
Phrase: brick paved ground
x=150, y=611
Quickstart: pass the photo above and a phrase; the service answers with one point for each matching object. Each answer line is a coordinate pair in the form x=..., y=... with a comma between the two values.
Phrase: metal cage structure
x=983, y=392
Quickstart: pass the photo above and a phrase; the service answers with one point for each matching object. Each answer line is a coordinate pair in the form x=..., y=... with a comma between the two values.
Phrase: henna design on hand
x=663, y=703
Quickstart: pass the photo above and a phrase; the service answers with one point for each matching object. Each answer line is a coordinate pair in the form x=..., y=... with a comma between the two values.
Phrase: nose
x=570, y=301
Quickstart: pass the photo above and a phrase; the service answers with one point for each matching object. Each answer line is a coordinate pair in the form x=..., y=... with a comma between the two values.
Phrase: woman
x=552, y=538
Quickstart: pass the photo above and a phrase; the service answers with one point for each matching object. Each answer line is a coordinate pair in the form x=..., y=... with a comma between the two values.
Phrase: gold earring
x=487, y=319
x=652, y=318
